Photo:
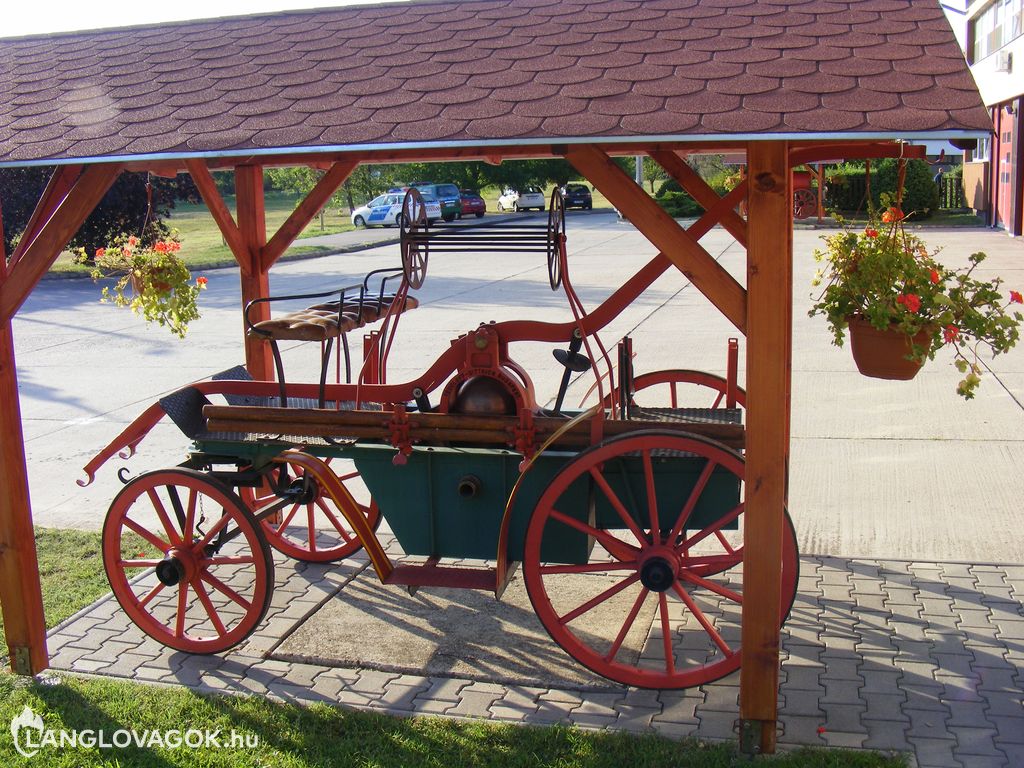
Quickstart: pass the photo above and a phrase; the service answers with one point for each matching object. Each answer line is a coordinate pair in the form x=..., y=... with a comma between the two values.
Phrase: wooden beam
x=662, y=230
x=769, y=363
x=304, y=213
x=700, y=191
x=252, y=227
x=56, y=190
x=221, y=213
x=21, y=598
x=54, y=235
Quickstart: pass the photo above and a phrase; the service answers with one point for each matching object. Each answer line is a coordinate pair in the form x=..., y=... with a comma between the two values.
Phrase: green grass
x=70, y=570
x=202, y=244
x=292, y=736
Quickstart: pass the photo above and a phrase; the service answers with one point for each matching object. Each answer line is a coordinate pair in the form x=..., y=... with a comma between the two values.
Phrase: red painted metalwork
x=661, y=562
x=199, y=578
x=311, y=515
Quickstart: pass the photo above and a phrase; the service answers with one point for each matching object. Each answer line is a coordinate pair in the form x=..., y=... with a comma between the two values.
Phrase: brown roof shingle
x=486, y=71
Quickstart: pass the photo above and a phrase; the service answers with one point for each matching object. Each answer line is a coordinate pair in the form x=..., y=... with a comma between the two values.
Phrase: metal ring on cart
x=556, y=238
x=414, y=245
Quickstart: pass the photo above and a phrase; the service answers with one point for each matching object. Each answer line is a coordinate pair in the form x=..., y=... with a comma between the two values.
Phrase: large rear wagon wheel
x=683, y=388
x=657, y=602
x=312, y=528
x=186, y=561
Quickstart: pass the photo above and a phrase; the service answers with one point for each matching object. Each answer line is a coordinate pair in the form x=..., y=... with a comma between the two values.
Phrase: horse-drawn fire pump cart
x=626, y=515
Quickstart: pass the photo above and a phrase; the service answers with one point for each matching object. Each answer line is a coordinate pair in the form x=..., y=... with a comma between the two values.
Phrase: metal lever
x=573, y=362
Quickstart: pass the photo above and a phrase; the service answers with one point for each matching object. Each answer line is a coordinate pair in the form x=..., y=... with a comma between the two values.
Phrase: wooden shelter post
x=68, y=200
x=252, y=224
x=769, y=364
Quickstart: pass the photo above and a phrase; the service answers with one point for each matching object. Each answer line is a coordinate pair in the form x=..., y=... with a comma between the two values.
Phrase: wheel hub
x=303, y=492
x=657, y=574
x=170, y=571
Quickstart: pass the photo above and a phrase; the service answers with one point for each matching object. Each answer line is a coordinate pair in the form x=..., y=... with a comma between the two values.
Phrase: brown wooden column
x=68, y=200
x=769, y=363
x=20, y=594
x=252, y=224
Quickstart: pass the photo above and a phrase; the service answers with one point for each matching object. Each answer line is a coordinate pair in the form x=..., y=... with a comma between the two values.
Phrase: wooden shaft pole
x=252, y=226
x=20, y=594
x=769, y=355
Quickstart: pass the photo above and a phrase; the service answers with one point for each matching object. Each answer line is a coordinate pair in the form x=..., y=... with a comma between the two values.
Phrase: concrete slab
x=453, y=633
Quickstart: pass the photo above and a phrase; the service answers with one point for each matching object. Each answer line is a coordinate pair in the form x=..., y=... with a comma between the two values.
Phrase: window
x=995, y=27
x=980, y=153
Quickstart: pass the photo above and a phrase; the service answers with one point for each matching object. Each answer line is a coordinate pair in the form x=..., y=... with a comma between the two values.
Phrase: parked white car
x=521, y=200
x=386, y=210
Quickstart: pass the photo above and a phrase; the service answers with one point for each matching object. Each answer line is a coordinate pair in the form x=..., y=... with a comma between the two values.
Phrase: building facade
x=994, y=170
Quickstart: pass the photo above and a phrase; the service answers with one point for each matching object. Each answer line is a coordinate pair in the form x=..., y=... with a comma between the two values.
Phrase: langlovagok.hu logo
x=31, y=735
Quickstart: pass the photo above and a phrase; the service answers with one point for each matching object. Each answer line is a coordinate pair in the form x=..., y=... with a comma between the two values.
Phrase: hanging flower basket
x=901, y=306
x=152, y=281
x=888, y=353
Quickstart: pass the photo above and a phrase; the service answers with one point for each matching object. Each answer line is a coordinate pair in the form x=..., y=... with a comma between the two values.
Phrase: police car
x=386, y=210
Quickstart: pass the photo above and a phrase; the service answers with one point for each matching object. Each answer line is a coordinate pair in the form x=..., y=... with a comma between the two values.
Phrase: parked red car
x=472, y=203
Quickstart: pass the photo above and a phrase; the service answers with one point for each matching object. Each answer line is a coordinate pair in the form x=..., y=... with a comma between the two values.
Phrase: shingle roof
x=485, y=72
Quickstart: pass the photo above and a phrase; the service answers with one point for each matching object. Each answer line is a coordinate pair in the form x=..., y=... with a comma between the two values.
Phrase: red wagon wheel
x=414, y=247
x=805, y=203
x=675, y=388
x=312, y=528
x=556, y=238
x=658, y=601
x=186, y=561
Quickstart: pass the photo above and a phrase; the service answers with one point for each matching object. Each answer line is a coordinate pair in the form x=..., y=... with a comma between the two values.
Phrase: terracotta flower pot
x=883, y=354
x=158, y=285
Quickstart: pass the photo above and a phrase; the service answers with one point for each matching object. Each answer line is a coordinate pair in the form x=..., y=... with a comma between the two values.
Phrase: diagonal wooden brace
x=663, y=231
x=701, y=191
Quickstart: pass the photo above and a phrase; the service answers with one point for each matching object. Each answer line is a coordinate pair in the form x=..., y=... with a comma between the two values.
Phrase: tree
x=136, y=204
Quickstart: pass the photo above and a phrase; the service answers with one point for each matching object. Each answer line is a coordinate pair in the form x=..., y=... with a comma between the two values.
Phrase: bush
x=847, y=184
x=920, y=193
x=679, y=205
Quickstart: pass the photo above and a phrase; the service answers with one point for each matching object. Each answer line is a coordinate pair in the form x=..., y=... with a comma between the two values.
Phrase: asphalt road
x=878, y=469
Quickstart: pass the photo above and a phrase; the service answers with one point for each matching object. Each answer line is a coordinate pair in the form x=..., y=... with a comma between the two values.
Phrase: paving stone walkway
x=914, y=657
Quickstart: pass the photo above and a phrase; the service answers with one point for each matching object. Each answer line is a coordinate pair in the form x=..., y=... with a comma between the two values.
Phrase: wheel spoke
x=704, y=622
x=211, y=533
x=153, y=539
x=725, y=544
x=617, y=505
x=179, y=625
x=288, y=518
x=179, y=511
x=338, y=526
x=713, y=586
x=596, y=601
x=225, y=590
x=190, y=515
x=211, y=611
x=587, y=568
x=713, y=528
x=712, y=563
x=151, y=594
x=666, y=634
x=311, y=523
x=718, y=400
x=652, y=498
x=138, y=563
x=627, y=625
x=161, y=513
x=620, y=550
x=691, y=502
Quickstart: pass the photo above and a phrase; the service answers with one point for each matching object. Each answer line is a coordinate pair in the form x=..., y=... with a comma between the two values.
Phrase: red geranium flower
x=910, y=300
x=871, y=232
x=950, y=333
x=1015, y=297
x=101, y=252
x=935, y=277
x=133, y=241
x=201, y=281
